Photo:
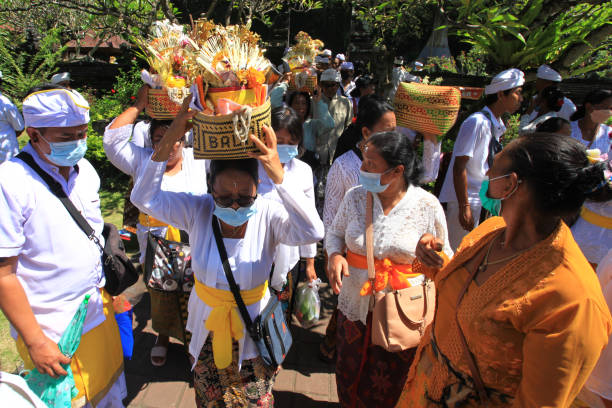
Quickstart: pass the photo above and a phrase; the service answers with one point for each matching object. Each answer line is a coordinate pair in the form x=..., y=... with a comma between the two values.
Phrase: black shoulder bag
x=119, y=271
x=269, y=331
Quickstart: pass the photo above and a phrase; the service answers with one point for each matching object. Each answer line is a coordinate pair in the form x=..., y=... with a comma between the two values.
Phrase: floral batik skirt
x=383, y=374
x=249, y=387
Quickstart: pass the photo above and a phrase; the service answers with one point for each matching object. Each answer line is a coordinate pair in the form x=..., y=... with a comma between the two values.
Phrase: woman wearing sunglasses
x=182, y=173
x=231, y=372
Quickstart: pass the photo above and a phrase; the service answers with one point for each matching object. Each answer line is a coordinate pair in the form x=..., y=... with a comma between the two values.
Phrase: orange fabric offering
x=386, y=272
x=536, y=328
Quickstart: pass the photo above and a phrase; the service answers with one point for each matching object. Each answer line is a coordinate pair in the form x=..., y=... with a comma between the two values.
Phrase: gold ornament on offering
x=303, y=53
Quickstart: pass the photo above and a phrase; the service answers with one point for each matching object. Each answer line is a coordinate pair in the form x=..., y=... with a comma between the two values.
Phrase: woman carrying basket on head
x=229, y=370
x=182, y=174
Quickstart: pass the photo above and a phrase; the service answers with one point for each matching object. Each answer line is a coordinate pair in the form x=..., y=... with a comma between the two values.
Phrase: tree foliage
x=21, y=70
x=75, y=18
x=525, y=34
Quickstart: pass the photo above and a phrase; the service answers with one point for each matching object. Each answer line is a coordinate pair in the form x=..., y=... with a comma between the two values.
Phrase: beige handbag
x=400, y=317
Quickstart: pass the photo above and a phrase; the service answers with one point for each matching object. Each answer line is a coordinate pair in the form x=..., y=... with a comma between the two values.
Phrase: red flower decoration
x=132, y=97
x=113, y=91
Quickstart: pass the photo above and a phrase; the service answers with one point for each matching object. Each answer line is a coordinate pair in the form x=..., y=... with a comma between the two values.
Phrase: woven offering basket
x=427, y=108
x=214, y=136
x=160, y=106
x=309, y=85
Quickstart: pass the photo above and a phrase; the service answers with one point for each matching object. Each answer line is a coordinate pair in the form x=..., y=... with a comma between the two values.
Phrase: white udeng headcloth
x=546, y=72
x=508, y=79
x=55, y=108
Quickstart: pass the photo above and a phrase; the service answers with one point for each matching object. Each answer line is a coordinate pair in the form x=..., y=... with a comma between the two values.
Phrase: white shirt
x=395, y=237
x=15, y=393
x=567, y=110
x=472, y=141
x=593, y=240
x=298, y=174
x=529, y=123
x=140, y=135
x=601, y=141
x=295, y=222
x=10, y=122
x=600, y=381
x=130, y=158
x=57, y=265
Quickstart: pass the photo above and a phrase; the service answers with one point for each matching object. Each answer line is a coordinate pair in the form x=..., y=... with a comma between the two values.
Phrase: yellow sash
x=596, y=219
x=98, y=361
x=148, y=221
x=224, y=320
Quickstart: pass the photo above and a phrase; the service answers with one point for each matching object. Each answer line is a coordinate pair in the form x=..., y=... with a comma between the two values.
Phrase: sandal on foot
x=159, y=353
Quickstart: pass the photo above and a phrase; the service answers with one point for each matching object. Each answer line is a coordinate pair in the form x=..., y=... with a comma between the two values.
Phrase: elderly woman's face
x=373, y=162
x=234, y=184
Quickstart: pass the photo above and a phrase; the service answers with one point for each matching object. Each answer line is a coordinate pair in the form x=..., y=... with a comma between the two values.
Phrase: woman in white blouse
x=588, y=122
x=375, y=115
x=288, y=129
x=182, y=174
x=402, y=212
x=232, y=372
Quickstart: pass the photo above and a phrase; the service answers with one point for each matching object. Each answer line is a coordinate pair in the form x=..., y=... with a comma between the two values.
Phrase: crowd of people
x=511, y=264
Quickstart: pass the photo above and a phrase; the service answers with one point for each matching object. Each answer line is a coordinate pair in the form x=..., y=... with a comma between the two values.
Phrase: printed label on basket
x=427, y=108
x=214, y=137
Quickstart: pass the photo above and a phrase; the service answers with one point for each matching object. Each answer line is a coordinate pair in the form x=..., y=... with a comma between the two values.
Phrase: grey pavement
x=304, y=381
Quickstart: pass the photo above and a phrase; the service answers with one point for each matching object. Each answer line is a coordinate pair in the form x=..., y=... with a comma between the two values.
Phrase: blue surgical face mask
x=493, y=205
x=66, y=154
x=371, y=181
x=287, y=152
x=233, y=217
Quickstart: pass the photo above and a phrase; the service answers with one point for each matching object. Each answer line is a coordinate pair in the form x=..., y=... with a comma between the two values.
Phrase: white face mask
x=601, y=115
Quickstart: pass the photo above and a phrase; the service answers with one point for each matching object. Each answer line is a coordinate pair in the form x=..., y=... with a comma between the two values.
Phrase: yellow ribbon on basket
x=224, y=319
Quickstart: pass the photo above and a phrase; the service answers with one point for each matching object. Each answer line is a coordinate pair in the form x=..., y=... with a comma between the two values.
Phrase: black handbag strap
x=235, y=289
x=59, y=192
x=494, y=145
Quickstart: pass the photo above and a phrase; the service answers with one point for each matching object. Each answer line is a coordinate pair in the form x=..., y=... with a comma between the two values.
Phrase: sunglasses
x=228, y=201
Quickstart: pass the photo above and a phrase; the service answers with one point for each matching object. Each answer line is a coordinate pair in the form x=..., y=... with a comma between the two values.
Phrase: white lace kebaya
x=395, y=237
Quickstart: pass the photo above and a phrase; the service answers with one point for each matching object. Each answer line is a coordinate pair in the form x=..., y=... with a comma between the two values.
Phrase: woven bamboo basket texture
x=160, y=106
x=214, y=137
x=427, y=108
x=301, y=82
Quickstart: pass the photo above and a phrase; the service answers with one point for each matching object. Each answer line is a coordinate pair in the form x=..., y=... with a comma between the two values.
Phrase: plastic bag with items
x=308, y=304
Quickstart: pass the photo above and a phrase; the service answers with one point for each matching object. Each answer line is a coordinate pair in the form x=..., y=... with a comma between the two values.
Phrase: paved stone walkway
x=304, y=381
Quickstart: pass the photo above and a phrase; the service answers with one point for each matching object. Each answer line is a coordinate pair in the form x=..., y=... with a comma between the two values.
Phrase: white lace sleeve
x=334, y=193
x=442, y=230
x=335, y=233
x=431, y=160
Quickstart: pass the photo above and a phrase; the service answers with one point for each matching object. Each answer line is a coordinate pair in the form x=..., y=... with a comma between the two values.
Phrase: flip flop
x=159, y=352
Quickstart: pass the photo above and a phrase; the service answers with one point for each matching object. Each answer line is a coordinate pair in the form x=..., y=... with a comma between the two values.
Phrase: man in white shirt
x=475, y=146
x=546, y=77
x=47, y=263
x=347, y=71
x=11, y=123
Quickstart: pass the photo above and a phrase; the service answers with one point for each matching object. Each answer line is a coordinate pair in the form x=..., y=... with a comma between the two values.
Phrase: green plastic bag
x=308, y=304
x=59, y=392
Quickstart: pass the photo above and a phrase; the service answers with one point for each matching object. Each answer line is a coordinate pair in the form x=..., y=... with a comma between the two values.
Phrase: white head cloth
x=347, y=65
x=508, y=79
x=330, y=75
x=55, y=108
x=327, y=53
x=321, y=60
x=341, y=57
x=549, y=74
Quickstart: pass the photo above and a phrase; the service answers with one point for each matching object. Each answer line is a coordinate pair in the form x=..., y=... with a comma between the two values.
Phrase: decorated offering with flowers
x=301, y=58
x=166, y=50
x=230, y=92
